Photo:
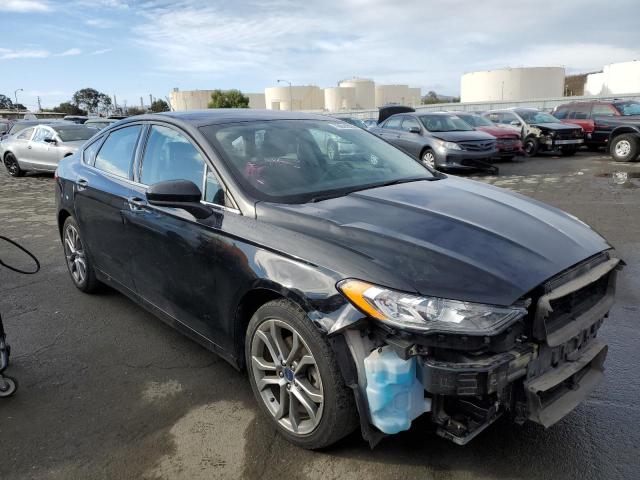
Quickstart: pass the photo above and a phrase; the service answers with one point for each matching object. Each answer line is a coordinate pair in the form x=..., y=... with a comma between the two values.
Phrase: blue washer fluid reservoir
x=395, y=394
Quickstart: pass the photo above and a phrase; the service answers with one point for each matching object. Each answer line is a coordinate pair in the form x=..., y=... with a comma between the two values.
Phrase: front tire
x=295, y=377
x=9, y=388
x=531, y=146
x=624, y=148
x=12, y=165
x=429, y=159
x=78, y=262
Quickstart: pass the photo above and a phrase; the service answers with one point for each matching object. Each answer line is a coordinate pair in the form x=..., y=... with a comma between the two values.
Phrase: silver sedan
x=41, y=147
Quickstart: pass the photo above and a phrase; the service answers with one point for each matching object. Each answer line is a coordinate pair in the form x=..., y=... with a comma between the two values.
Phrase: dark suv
x=614, y=124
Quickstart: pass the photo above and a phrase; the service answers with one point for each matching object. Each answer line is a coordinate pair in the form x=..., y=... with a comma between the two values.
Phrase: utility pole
x=290, y=93
x=15, y=96
x=150, y=100
x=141, y=104
x=115, y=103
x=39, y=105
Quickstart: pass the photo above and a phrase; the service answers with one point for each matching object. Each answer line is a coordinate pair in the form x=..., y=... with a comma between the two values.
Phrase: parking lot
x=109, y=391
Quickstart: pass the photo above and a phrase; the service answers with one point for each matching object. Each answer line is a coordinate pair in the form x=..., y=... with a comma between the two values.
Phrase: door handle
x=29, y=147
x=82, y=183
x=137, y=204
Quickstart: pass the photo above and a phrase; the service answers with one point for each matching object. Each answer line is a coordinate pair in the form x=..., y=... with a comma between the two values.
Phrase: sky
x=131, y=49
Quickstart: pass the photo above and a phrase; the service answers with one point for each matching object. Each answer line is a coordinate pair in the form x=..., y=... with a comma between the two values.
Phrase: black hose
x=15, y=269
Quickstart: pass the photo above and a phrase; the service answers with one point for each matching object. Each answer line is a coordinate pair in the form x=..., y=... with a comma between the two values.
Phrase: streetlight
x=15, y=95
x=290, y=94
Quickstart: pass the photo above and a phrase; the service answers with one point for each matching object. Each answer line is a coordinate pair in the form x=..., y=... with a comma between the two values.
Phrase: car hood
x=462, y=136
x=499, y=132
x=451, y=238
x=555, y=126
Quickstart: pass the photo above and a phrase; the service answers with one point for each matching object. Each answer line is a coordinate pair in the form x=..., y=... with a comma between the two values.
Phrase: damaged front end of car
x=467, y=364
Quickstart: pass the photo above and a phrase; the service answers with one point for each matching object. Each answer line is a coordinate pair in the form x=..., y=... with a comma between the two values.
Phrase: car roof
x=199, y=118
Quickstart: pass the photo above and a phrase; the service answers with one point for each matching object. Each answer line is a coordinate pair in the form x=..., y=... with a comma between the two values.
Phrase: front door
x=175, y=256
x=43, y=153
x=102, y=192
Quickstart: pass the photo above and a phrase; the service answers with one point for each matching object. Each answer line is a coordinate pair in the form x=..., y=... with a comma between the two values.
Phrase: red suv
x=615, y=124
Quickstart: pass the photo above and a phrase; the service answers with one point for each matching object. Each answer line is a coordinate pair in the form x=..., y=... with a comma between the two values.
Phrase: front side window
x=286, y=161
x=42, y=134
x=26, y=134
x=117, y=151
x=602, y=110
x=169, y=155
x=410, y=122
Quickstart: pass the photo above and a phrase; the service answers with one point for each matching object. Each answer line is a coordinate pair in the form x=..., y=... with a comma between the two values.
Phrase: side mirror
x=515, y=123
x=51, y=140
x=182, y=194
x=414, y=129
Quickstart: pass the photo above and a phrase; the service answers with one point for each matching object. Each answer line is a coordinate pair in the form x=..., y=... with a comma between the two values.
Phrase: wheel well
x=62, y=217
x=422, y=152
x=622, y=131
x=6, y=154
x=249, y=304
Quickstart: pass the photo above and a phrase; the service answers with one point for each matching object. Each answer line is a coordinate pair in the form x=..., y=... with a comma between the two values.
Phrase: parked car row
x=528, y=131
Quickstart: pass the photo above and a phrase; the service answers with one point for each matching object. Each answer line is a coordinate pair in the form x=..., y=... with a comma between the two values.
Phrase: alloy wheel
x=75, y=255
x=623, y=148
x=429, y=159
x=12, y=166
x=287, y=376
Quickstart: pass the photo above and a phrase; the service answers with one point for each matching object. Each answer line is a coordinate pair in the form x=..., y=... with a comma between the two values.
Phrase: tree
x=159, y=105
x=135, y=111
x=69, y=108
x=5, y=102
x=91, y=100
x=228, y=99
x=430, y=97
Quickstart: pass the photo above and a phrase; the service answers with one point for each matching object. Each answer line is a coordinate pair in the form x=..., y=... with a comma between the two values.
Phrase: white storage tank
x=182, y=100
x=386, y=94
x=365, y=92
x=621, y=77
x=415, y=96
x=296, y=97
x=339, y=98
x=512, y=84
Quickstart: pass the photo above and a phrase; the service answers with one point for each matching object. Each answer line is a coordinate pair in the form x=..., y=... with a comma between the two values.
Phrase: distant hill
x=574, y=84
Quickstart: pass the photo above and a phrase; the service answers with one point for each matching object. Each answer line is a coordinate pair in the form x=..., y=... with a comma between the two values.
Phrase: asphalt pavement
x=109, y=391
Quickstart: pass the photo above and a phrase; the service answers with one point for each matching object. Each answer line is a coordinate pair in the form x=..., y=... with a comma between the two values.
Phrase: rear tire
x=531, y=146
x=624, y=148
x=11, y=386
x=78, y=262
x=12, y=165
x=300, y=389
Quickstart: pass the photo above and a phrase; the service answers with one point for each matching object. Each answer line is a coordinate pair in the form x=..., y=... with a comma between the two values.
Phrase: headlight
x=444, y=146
x=428, y=314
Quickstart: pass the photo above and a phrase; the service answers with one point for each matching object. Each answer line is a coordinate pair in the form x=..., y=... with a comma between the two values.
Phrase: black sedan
x=440, y=140
x=364, y=289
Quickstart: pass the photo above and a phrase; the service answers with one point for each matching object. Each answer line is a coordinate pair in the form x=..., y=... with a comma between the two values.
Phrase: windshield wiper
x=342, y=193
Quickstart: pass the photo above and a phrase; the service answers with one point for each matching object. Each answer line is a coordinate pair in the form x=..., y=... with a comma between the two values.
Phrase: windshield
x=477, y=121
x=296, y=161
x=73, y=134
x=444, y=123
x=533, y=116
x=628, y=108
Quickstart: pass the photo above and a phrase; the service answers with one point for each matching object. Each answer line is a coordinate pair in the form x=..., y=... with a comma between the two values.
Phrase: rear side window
x=393, y=122
x=116, y=153
x=26, y=134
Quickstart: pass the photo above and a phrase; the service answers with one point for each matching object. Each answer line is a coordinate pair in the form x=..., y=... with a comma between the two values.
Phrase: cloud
x=102, y=51
x=24, y=6
x=100, y=23
x=8, y=54
x=423, y=43
x=69, y=53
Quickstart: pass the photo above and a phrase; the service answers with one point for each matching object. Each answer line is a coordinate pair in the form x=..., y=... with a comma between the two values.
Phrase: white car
x=41, y=147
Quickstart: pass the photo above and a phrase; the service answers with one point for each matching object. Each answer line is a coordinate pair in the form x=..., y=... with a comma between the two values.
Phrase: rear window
x=116, y=153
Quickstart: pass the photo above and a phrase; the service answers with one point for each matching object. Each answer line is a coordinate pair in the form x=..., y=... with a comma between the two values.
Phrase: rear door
x=43, y=153
x=176, y=258
x=20, y=146
x=580, y=114
x=102, y=191
x=390, y=129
